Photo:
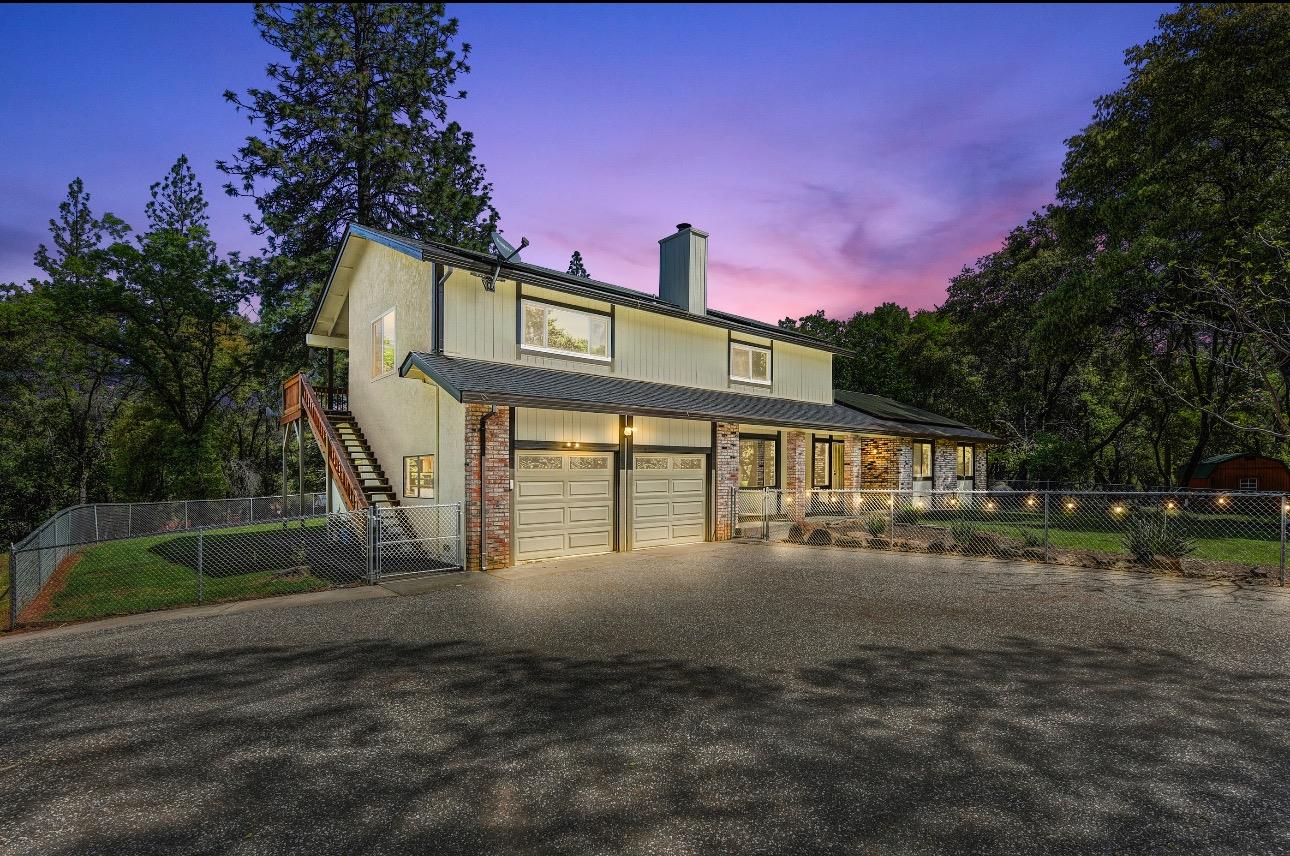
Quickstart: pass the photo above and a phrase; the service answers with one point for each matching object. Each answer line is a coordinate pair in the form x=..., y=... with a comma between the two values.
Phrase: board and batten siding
x=647, y=346
x=657, y=431
x=565, y=426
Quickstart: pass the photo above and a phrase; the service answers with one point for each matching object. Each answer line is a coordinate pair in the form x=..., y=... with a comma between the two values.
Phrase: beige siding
x=565, y=426
x=482, y=325
x=401, y=416
x=653, y=431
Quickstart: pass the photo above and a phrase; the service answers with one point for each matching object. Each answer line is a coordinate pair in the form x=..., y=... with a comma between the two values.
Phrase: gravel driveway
x=731, y=698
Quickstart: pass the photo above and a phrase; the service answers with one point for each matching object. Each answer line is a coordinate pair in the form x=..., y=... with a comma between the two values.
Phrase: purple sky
x=839, y=156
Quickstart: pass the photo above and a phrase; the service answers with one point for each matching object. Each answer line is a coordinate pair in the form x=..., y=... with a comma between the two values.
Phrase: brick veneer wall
x=795, y=472
x=980, y=479
x=945, y=471
x=852, y=462
x=495, y=488
x=879, y=463
x=726, y=466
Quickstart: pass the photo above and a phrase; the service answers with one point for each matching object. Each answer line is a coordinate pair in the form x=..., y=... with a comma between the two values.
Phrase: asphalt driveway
x=722, y=699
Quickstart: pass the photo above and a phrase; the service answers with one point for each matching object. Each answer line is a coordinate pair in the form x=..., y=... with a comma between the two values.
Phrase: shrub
x=876, y=525
x=1148, y=536
x=1031, y=538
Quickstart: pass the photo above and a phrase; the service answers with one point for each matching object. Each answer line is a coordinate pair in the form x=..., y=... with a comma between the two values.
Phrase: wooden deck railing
x=297, y=389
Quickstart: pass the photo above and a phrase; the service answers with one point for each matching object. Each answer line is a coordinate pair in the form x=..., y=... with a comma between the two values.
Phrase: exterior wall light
x=629, y=431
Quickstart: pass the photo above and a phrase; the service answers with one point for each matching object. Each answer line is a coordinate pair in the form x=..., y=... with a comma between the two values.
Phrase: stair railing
x=298, y=389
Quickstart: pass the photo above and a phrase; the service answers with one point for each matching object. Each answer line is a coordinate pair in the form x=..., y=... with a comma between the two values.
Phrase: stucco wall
x=401, y=416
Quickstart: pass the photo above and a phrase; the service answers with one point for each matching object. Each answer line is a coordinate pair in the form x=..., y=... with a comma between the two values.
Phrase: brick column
x=726, y=466
x=904, y=464
x=795, y=473
x=852, y=464
x=495, y=489
x=981, y=480
x=946, y=468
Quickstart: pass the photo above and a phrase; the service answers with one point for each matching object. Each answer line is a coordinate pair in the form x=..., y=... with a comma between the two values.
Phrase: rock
x=938, y=546
x=879, y=543
x=846, y=541
x=820, y=537
x=797, y=533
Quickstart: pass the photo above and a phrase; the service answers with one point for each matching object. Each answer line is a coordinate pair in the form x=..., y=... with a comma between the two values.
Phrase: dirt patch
x=37, y=609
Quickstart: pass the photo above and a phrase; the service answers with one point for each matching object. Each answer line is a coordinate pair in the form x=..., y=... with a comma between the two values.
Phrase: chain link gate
x=415, y=540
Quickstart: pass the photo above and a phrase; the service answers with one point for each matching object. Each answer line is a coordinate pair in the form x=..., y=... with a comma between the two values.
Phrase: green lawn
x=1251, y=551
x=159, y=572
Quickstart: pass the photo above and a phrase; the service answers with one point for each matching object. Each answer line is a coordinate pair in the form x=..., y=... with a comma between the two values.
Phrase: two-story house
x=572, y=416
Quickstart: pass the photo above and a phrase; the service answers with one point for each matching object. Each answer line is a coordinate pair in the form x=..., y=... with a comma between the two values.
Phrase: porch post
x=795, y=473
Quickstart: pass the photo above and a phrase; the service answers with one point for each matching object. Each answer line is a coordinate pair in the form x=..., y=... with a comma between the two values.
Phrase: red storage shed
x=1240, y=471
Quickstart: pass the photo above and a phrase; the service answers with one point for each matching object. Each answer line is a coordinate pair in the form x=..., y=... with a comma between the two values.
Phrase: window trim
x=762, y=438
x=931, y=461
x=958, y=459
x=524, y=347
x=378, y=345
x=817, y=441
x=434, y=476
x=732, y=343
x=1253, y=488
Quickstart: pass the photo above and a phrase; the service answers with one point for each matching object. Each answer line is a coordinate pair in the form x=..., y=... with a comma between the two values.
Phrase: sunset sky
x=840, y=157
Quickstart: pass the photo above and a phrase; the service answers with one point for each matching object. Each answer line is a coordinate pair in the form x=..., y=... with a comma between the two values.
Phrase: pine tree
x=354, y=129
x=576, y=267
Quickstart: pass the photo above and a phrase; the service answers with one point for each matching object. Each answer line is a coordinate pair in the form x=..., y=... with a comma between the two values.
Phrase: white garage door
x=564, y=504
x=667, y=500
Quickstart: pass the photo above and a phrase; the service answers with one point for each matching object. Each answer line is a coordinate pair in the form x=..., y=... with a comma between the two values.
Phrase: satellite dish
x=505, y=253
x=503, y=248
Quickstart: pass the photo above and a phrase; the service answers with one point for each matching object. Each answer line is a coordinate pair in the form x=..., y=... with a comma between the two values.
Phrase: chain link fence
x=1212, y=534
x=66, y=575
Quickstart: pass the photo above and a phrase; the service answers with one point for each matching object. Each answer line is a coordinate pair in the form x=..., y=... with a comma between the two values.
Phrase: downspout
x=483, y=487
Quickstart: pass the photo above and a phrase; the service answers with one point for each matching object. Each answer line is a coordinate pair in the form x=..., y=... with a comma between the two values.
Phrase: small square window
x=1251, y=484
x=418, y=476
x=749, y=363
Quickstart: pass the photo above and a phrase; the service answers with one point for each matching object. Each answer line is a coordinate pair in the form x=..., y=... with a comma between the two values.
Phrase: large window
x=965, y=463
x=418, y=476
x=922, y=461
x=749, y=363
x=383, y=345
x=757, y=465
x=561, y=330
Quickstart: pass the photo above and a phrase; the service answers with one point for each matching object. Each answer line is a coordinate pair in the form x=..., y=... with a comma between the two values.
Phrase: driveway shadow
x=382, y=746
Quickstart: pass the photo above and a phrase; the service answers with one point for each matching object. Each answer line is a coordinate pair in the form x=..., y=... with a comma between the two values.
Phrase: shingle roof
x=890, y=408
x=483, y=382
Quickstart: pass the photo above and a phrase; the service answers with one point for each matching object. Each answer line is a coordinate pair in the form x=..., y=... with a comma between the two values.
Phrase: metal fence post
x=461, y=536
x=891, y=521
x=765, y=514
x=201, y=572
x=186, y=524
x=96, y=521
x=129, y=519
x=373, y=544
x=12, y=616
x=1046, y=554
x=1284, y=500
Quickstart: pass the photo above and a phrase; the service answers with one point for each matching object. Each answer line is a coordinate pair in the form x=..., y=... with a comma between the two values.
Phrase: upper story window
x=383, y=345
x=749, y=363
x=556, y=329
x=922, y=460
x=965, y=462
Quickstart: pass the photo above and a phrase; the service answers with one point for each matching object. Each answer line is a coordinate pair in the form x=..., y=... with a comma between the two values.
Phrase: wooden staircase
x=371, y=478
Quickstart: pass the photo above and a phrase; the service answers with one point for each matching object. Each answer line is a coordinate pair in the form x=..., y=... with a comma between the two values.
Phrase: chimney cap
x=681, y=227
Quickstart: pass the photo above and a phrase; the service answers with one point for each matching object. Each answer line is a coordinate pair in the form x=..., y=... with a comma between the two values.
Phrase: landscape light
x=990, y=505
x=1170, y=505
x=1117, y=509
x=1070, y=505
x=1030, y=500
x=1222, y=500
